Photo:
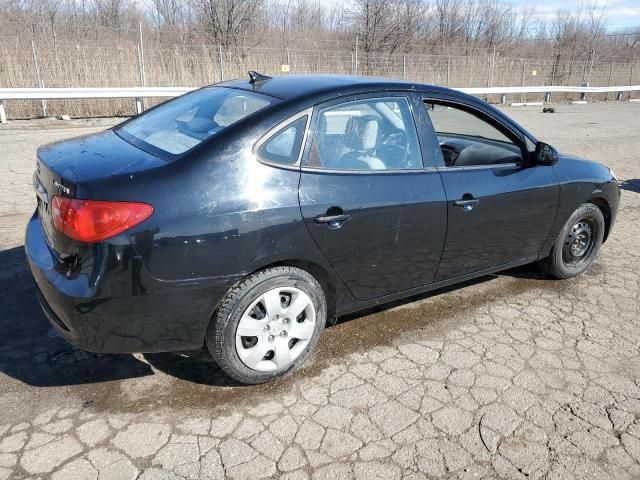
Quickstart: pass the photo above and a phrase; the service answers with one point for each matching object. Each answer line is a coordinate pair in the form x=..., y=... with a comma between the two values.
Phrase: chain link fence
x=127, y=64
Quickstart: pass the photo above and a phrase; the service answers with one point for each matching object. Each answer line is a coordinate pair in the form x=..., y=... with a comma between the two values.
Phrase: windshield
x=179, y=125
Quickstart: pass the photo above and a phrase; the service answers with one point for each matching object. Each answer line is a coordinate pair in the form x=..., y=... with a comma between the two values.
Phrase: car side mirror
x=545, y=154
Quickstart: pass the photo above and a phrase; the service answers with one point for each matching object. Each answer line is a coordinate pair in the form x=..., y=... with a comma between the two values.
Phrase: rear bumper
x=115, y=305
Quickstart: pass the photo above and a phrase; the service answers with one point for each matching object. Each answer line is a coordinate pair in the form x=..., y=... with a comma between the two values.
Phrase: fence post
x=524, y=66
x=448, y=70
x=3, y=113
x=139, y=101
x=355, y=65
x=288, y=61
x=488, y=71
x=404, y=66
x=221, y=63
x=141, y=57
x=38, y=77
x=493, y=66
x=606, y=95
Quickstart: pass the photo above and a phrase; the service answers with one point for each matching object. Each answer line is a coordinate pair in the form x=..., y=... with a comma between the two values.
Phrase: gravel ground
x=509, y=376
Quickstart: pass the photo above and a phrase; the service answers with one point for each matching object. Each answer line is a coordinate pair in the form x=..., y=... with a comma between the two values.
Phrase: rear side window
x=373, y=134
x=284, y=146
x=181, y=124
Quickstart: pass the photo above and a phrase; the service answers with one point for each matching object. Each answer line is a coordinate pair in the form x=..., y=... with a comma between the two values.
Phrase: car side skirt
x=407, y=295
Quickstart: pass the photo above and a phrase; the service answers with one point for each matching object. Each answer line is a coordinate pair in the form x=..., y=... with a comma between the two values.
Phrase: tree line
x=460, y=27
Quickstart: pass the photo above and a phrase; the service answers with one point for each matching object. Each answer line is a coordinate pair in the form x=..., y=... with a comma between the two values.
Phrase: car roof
x=291, y=87
x=311, y=89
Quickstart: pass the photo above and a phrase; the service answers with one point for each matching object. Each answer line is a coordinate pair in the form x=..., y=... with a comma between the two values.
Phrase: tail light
x=95, y=220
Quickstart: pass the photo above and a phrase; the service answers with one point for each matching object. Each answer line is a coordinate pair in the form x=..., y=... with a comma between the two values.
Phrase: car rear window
x=176, y=127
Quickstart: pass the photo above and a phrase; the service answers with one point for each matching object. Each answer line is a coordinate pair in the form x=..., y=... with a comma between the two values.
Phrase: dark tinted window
x=284, y=145
x=179, y=125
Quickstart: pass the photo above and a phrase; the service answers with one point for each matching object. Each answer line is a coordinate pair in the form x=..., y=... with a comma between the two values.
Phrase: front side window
x=179, y=125
x=373, y=134
x=468, y=140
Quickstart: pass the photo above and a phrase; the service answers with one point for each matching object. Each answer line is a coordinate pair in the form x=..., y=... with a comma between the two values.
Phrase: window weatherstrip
x=283, y=124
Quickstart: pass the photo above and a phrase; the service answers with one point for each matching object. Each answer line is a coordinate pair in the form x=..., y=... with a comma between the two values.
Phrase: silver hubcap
x=275, y=329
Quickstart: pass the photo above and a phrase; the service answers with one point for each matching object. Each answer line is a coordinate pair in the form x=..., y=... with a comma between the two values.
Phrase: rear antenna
x=255, y=77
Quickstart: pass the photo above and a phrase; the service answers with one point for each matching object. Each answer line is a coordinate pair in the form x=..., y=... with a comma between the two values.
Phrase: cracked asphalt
x=509, y=376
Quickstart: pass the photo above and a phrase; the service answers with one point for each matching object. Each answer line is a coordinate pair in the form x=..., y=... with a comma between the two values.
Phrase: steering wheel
x=395, y=146
x=396, y=137
x=450, y=154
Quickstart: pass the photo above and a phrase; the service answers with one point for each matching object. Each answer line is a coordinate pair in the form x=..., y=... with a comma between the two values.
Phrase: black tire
x=561, y=263
x=221, y=334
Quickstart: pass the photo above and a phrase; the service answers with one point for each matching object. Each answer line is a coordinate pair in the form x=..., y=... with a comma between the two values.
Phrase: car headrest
x=362, y=132
x=231, y=110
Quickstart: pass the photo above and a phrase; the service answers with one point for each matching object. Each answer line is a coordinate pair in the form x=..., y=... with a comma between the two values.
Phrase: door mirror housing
x=545, y=154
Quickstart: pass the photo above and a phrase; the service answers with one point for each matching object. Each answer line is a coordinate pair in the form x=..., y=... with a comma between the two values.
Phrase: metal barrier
x=139, y=93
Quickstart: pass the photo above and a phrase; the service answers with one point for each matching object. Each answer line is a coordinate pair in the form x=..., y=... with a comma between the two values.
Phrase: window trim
x=362, y=97
x=276, y=129
x=515, y=136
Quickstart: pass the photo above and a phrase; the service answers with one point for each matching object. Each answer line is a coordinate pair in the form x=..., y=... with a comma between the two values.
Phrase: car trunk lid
x=65, y=168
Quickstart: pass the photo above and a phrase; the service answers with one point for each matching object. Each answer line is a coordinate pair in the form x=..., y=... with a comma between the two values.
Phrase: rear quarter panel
x=219, y=214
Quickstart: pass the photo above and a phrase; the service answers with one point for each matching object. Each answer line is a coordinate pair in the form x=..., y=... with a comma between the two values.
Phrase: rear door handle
x=467, y=204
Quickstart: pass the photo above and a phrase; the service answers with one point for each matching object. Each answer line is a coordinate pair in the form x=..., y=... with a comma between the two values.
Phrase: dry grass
x=72, y=64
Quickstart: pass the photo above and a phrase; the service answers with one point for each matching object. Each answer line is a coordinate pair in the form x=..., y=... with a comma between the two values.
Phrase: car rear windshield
x=176, y=127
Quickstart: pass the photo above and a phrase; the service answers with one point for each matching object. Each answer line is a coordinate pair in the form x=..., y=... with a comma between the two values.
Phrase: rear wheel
x=577, y=244
x=268, y=325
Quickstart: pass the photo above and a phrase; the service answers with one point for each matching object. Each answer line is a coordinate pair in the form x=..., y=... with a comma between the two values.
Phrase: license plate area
x=44, y=209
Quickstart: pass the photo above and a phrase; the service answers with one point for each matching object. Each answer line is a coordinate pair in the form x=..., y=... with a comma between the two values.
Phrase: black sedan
x=246, y=215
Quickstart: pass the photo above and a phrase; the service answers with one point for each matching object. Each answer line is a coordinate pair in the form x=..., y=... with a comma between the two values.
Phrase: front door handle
x=333, y=218
x=466, y=203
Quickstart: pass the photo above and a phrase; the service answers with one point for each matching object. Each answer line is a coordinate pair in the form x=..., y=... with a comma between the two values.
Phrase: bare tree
x=229, y=22
x=113, y=13
x=168, y=13
x=449, y=20
x=577, y=36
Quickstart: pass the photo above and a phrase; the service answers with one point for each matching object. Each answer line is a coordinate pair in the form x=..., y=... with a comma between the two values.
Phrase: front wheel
x=577, y=244
x=268, y=324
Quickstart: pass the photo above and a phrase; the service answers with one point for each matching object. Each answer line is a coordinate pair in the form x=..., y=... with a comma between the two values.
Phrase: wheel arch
x=605, y=208
x=319, y=273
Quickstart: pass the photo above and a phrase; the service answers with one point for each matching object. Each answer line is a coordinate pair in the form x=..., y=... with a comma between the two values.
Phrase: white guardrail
x=138, y=93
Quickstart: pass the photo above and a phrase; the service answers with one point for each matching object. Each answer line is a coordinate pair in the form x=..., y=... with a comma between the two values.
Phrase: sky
x=620, y=13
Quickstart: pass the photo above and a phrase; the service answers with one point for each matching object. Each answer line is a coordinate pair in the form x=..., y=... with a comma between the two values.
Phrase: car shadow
x=33, y=353
x=31, y=350
x=195, y=366
x=632, y=185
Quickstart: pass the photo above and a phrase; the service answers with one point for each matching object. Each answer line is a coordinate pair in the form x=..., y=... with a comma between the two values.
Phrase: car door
x=500, y=207
x=375, y=211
